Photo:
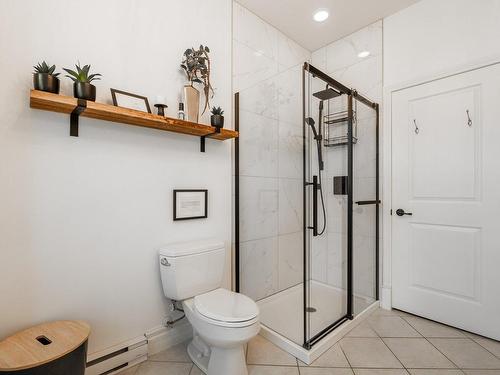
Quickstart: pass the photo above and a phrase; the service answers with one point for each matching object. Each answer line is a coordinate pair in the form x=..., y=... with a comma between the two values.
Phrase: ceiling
x=294, y=17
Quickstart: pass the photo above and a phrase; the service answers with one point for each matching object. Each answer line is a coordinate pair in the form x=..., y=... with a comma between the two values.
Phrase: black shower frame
x=352, y=95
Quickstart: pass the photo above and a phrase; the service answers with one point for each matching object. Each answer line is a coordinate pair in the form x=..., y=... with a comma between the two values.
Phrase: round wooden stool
x=56, y=348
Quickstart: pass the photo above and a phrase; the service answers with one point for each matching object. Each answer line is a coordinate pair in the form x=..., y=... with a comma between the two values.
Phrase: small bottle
x=181, y=115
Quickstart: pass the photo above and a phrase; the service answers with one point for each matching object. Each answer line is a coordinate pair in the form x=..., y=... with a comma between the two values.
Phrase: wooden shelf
x=65, y=104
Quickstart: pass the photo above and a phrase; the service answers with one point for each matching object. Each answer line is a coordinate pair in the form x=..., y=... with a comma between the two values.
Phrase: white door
x=446, y=173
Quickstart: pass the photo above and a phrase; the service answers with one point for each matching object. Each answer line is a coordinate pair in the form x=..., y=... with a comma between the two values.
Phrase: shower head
x=327, y=94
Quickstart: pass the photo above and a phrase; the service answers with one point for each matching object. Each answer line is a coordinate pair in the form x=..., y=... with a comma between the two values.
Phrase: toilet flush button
x=165, y=262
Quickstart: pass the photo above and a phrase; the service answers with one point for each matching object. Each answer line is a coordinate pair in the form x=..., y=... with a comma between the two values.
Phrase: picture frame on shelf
x=129, y=100
x=190, y=204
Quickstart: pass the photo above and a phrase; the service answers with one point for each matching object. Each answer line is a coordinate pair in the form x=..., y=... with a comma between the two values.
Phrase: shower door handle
x=315, y=206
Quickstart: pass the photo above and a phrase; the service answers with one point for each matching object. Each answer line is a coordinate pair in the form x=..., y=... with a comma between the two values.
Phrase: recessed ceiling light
x=363, y=54
x=320, y=15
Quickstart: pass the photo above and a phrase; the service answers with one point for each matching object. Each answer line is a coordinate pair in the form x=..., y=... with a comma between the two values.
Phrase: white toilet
x=223, y=321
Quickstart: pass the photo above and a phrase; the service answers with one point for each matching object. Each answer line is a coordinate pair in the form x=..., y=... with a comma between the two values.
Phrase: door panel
x=444, y=135
x=454, y=270
x=446, y=172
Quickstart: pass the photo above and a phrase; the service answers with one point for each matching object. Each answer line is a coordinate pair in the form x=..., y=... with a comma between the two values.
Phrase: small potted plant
x=44, y=78
x=82, y=88
x=217, y=118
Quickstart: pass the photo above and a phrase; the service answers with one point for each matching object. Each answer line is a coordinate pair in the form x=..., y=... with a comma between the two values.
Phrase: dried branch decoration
x=196, y=65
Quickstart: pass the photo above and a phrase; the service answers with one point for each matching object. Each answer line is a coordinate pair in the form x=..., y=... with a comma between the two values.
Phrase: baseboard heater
x=118, y=358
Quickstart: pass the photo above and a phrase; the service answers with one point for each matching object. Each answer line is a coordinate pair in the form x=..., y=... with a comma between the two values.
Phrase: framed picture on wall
x=190, y=204
x=128, y=100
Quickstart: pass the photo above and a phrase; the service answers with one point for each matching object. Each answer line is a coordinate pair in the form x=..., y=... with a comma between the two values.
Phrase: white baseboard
x=130, y=364
x=386, y=300
x=161, y=338
x=134, y=355
x=153, y=341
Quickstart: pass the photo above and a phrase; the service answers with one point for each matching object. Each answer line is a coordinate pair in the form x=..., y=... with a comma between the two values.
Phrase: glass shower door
x=365, y=215
x=341, y=203
x=268, y=195
x=327, y=116
x=306, y=212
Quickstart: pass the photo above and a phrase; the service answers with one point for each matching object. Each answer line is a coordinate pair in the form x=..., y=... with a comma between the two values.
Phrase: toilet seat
x=225, y=308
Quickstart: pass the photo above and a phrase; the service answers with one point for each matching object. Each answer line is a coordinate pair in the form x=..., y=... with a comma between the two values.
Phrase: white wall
x=81, y=219
x=433, y=37
x=267, y=74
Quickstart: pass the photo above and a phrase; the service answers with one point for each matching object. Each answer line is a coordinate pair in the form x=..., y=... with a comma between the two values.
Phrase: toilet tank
x=188, y=269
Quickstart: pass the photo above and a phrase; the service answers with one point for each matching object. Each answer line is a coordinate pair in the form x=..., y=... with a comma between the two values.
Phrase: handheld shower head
x=310, y=121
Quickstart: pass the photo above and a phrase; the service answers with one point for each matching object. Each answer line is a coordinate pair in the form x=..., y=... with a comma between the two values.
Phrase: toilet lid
x=226, y=306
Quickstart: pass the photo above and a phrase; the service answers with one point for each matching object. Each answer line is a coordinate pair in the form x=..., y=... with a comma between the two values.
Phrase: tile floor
x=387, y=343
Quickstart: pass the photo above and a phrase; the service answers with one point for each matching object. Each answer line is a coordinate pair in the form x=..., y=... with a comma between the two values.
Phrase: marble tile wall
x=340, y=60
x=267, y=74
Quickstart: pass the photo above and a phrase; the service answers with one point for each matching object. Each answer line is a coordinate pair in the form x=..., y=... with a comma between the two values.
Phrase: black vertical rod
x=237, y=193
x=304, y=205
x=315, y=205
x=350, y=184
x=377, y=207
x=202, y=143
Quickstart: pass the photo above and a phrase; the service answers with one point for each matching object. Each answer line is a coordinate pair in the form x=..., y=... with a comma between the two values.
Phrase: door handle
x=401, y=212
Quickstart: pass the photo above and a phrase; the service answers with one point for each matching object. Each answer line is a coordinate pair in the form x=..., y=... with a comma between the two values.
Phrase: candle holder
x=161, y=109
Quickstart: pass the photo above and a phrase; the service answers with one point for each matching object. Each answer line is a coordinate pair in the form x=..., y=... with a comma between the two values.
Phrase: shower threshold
x=282, y=318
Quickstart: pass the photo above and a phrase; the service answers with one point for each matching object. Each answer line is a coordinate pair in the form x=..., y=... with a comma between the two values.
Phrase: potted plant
x=196, y=65
x=217, y=118
x=82, y=88
x=44, y=78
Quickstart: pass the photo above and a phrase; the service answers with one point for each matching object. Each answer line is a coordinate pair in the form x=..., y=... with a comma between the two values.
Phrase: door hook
x=469, y=122
x=416, y=126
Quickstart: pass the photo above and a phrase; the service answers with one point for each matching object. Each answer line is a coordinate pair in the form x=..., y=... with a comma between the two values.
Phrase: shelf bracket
x=202, y=139
x=75, y=115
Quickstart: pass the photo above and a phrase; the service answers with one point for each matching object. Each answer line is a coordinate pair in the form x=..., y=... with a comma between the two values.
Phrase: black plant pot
x=217, y=121
x=46, y=82
x=84, y=90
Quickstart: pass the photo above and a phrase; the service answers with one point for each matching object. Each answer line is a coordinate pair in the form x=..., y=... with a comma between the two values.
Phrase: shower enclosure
x=307, y=206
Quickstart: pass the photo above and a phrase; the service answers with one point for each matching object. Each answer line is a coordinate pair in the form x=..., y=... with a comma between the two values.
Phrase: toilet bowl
x=223, y=321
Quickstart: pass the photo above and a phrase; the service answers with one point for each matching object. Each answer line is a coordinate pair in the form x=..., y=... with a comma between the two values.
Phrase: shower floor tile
x=283, y=311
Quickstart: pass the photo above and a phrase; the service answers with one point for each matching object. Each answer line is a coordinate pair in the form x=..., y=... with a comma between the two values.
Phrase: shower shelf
x=336, y=129
x=77, y=107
